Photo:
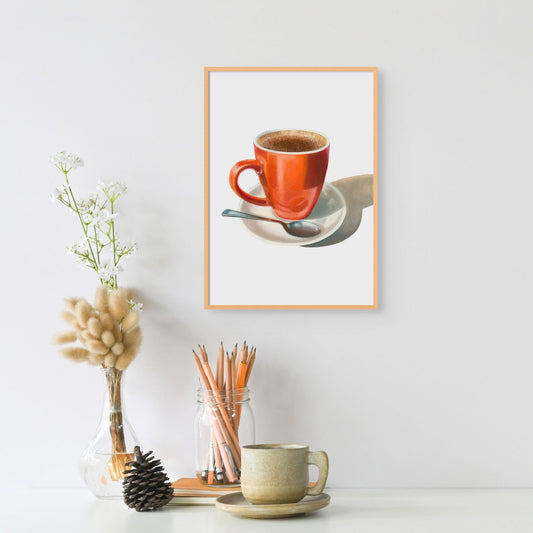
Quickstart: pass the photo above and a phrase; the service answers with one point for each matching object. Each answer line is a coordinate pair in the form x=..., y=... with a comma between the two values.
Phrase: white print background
x=244, y=270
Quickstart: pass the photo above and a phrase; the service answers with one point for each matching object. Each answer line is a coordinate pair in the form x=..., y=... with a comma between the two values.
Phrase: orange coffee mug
x=291, y=166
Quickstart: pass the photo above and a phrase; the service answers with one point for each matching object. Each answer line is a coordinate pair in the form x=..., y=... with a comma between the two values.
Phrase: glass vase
x=223, y=424
x=102, y=464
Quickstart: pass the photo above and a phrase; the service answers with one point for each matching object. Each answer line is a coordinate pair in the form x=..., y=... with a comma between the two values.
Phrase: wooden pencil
x=251, y=362
x=220, y=366
x=226, y=426
x=224, y=396
x=217, y=425
x=228, y=389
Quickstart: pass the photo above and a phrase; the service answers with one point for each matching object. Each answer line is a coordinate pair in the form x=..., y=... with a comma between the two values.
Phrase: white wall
x=433, y=389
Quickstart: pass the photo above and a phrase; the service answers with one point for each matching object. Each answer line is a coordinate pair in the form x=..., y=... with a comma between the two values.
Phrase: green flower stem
x=97, y=263
x=96, y=245
x=112, y=202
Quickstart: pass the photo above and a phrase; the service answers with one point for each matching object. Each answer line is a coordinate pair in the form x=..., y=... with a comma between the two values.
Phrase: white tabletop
x=365, y=511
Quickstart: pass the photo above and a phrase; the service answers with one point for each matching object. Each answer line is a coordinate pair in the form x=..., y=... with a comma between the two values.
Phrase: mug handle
x=319, y=459
x=234, y=176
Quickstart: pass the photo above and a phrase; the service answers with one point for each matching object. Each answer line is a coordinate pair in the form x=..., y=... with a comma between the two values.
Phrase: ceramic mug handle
x=319, y=459
x=234, y=177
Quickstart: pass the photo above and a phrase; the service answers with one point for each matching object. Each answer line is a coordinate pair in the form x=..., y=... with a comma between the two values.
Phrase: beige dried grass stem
x=116, y=465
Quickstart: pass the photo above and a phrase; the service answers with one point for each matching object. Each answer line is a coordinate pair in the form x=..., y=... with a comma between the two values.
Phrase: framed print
x=290, y=188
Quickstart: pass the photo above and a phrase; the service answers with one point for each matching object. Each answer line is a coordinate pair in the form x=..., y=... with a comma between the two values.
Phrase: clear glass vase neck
x=113, y=409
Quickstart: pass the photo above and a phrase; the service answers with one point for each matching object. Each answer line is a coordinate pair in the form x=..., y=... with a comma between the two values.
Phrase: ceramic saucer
x=236, y=504
x=329, y=213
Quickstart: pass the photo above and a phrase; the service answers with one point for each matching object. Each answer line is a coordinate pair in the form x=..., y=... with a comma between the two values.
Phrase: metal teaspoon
x=298, y=228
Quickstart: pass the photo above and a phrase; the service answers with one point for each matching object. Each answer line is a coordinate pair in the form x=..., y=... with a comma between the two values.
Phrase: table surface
x=365, y=511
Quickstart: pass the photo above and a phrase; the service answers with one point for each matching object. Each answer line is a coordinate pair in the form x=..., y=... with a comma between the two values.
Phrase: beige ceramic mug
x=279, y=473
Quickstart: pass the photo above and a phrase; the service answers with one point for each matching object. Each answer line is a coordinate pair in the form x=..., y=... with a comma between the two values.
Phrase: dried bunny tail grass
x=71, y=303
x=85, y=335
x=95, y=327
x=131, y=320
x=117, y=332
x=117, y=348
x=124, y=360
x=70, y=319
x=118, y=305
x=125, y=292
x=65, y=337
x=82, y=311
x=101, y=300
x=108, y=338
x=107, y=321
x=97, y=347
x=133, y=338
x=95, y=359
x=109, y=359
x=75, y=353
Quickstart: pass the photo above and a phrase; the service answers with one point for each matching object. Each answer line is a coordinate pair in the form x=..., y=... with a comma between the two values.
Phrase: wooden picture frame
x=256, y=264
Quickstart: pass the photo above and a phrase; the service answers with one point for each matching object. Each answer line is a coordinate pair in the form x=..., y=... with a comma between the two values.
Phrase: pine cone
x=146, y=485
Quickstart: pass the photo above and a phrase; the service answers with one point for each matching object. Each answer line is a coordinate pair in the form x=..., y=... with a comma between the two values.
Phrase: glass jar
x=103, y=462
x=223, y=424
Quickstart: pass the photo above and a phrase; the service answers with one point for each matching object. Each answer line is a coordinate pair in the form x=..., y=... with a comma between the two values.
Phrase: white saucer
x=236, y=504
x=329, y=213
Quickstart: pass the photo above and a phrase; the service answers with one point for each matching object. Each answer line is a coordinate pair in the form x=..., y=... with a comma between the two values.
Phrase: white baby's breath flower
x=107, y=272
x=79, y=248
x=126, y=248
x=88, y=205
x=84, y=261
x=99, y=249
x=112, y=189
x=99, y=217
x=60, y=194
x=135, y=306
x=66, y=161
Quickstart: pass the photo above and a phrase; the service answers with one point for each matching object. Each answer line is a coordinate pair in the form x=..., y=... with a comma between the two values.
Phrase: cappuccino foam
x=292, y=141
